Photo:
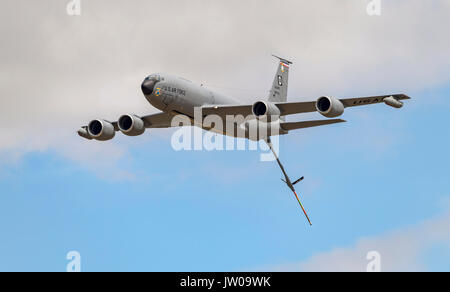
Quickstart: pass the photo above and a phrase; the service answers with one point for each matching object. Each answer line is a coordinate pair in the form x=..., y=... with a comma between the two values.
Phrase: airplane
x=175, y=96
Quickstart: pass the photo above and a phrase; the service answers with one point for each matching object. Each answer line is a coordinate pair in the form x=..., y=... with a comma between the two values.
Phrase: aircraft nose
x=148, y=86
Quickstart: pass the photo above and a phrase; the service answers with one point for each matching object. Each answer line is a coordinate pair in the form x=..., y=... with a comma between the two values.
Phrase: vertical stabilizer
x=278, y=92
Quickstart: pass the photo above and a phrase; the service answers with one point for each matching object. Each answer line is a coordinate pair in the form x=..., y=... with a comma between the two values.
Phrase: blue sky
x=377, y=183
x=189, y=212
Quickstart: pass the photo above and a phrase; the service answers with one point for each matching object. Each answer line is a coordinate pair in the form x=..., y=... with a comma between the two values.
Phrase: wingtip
x=403, y=96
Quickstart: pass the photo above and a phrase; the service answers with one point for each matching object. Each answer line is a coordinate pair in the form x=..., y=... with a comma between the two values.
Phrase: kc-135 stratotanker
x=175, y=96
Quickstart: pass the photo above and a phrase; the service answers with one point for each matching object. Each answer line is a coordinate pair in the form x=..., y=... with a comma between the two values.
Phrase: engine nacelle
x=131, y=125
x=329, y=107
x=264, y=109
x=101, y=130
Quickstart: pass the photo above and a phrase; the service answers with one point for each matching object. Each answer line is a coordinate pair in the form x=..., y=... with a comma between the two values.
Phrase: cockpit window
x=149, y=84
x=154, y=77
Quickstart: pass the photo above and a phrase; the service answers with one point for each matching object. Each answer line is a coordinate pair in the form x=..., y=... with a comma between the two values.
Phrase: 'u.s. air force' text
x=227, y=282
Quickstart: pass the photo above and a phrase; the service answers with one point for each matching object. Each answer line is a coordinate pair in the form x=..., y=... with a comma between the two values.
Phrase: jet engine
x=264, y=109
x=329, y=107
x=101, y=130
x=131, y=125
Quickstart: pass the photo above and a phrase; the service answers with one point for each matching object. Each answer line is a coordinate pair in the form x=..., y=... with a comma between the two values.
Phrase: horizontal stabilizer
x=309, y=124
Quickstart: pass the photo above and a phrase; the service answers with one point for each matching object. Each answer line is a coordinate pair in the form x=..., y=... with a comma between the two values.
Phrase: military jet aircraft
x=175, y=96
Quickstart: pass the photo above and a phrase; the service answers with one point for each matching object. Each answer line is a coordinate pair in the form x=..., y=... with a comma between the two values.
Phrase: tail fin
x=278, y=92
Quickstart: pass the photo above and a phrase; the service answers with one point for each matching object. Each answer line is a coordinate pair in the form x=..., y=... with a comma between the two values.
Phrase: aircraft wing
x=291, y=108
x=227, y=110
x=160, y=120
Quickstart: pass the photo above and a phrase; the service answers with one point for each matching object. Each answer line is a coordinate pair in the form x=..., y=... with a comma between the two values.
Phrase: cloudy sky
x=378, y=183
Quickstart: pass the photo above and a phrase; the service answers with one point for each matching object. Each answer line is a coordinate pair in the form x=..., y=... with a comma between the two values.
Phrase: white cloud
x=58, y=72
x=401, y=250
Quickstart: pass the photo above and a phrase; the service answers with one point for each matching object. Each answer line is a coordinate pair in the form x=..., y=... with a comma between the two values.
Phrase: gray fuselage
x=178, y=95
